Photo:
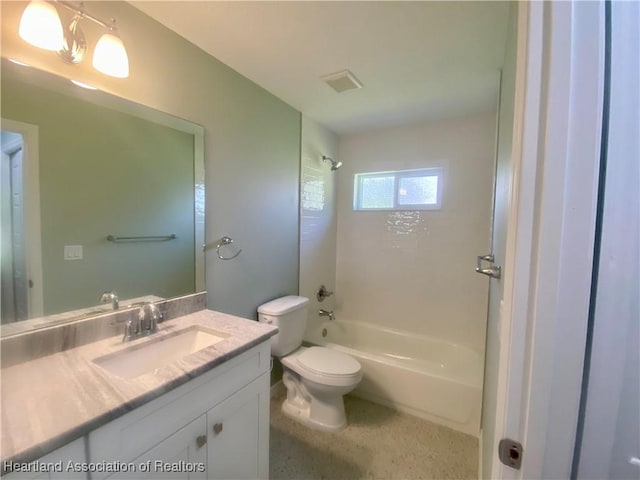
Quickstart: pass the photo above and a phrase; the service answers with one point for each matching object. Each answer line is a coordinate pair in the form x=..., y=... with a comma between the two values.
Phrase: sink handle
x=128, y=331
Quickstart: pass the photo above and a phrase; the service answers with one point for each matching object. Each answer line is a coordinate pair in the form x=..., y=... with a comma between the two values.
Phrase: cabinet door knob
x=201, y=440
x=217, y=428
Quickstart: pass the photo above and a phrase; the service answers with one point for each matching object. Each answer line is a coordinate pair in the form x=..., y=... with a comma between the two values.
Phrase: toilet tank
x=289, y=314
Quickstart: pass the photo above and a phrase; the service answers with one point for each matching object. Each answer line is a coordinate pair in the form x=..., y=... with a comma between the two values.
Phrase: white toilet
x=316, y=377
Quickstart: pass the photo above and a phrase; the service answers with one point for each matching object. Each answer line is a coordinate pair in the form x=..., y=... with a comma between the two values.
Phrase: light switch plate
x=73, y=252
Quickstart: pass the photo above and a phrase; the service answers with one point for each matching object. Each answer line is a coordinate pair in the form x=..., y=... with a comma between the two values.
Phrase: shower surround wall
x=317, y=223
x=317, y=216
x=414, y=270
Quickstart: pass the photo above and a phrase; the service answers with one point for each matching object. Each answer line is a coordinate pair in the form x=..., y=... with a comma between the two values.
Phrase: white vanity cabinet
x=214, y=426
x=184, y=447
x=59, y=461
x=234, y=427
x=228, y=442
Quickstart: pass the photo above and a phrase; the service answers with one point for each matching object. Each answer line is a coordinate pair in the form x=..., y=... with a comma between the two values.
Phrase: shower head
x=334, y=165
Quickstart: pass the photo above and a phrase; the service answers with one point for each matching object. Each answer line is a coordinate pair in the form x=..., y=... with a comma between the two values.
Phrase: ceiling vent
x=342, y=81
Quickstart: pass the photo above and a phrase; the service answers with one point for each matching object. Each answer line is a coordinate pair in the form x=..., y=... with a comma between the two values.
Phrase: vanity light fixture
x=40, y=26
x=110, y=56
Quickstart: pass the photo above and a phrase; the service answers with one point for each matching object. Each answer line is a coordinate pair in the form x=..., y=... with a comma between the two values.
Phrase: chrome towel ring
x=223, y=242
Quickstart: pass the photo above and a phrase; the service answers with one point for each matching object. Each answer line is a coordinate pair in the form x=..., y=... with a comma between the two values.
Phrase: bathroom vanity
x=102, y=410
x=216, y=425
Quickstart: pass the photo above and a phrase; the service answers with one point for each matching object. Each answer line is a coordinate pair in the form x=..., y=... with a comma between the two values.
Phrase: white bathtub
x=424, y=376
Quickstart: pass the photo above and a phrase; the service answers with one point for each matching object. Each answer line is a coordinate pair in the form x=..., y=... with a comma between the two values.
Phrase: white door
x=20, y=275
x=15, y=290
x=550, y=236
x=24, y=205
x=540, y=324
x=8, y=304
x=609, y=431
x=504, y=171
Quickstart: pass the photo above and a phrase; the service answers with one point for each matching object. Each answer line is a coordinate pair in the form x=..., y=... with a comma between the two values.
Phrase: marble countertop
x=52, y=400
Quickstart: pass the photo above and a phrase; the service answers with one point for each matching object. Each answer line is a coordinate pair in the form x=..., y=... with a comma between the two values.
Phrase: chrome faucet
x=110, y=297
x=149, y=316
x=146, y=323
x=327, y=313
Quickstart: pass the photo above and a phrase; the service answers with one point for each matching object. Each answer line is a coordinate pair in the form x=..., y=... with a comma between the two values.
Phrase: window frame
x=437, y=172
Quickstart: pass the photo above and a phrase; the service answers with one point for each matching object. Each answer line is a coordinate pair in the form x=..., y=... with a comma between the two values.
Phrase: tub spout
x=327, y=313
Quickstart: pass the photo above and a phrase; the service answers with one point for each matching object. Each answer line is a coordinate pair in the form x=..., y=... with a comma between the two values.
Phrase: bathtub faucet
x=327, y=313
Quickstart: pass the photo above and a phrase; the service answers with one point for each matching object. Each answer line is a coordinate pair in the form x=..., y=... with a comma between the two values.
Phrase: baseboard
x=277, y=388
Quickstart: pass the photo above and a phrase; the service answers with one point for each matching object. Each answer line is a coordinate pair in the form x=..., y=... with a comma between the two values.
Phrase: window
x=398, y=190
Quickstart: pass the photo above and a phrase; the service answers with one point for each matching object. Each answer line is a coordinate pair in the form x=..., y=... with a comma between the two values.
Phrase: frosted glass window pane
x=377, y=192
x=418, y=190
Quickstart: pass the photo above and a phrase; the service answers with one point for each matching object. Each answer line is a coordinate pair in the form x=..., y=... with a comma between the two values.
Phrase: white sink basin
x=157, y=352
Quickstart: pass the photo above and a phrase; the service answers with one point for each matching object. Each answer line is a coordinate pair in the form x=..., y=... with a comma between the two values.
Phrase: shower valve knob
x=323, y=293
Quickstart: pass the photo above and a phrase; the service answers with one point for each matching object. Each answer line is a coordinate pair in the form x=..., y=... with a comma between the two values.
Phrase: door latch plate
x=510, y=453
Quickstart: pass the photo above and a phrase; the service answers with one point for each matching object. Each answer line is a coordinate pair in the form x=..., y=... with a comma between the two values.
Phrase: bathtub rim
x=476, y=381
x=395, y=331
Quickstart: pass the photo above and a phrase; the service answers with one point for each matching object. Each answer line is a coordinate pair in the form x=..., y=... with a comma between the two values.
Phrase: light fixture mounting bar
x=83, y=13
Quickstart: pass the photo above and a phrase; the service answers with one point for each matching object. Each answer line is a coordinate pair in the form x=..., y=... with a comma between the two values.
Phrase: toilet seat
x=328, y=362
x=324, y=366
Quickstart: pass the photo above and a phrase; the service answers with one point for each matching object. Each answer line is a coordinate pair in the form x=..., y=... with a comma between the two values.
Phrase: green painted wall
x=106, y=172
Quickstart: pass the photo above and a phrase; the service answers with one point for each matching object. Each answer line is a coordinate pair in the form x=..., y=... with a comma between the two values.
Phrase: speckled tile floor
x=378, y=443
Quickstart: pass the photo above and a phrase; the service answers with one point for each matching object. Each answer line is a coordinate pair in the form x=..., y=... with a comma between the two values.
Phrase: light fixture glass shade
x=40, y=26
x=110, y=56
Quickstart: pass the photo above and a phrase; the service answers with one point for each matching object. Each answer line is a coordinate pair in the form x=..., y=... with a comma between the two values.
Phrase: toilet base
x=301, y=414
x=316, y=406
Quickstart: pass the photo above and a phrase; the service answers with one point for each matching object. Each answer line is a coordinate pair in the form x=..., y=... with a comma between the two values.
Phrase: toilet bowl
x=316, y=378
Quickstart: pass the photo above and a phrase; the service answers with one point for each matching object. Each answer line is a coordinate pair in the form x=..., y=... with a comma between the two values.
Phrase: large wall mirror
x=98, y=194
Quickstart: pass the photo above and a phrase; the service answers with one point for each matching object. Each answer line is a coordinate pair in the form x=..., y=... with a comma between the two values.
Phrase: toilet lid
x=329, y=362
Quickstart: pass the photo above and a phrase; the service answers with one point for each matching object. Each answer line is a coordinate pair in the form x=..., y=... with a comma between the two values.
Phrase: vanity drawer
x=135, y=432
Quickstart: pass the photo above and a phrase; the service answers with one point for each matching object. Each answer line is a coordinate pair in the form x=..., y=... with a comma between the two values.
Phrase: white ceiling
x=417, y=60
